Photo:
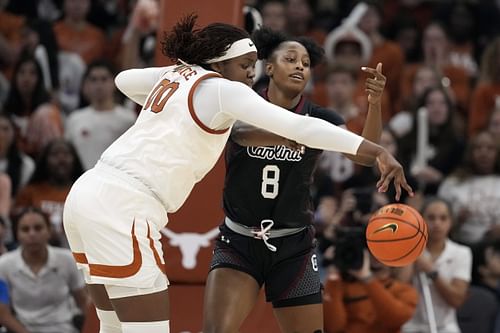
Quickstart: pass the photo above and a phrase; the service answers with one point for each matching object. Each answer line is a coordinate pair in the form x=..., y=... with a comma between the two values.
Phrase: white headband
x=238, y=48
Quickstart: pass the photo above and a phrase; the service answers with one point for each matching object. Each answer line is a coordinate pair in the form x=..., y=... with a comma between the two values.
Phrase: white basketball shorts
x=113, y=224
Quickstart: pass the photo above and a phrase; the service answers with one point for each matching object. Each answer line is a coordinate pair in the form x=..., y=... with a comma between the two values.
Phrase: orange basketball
x=396, y=235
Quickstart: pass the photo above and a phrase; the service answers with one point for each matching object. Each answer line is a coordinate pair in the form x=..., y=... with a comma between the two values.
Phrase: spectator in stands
x=65, y=68
x=473, y=190
x=435, y=46
x=425, y=78
x=40, y=42
x=447, y=266
x=459, y=18
x=10, y=38
x=445, y=145
x=37, y=120
x=57, y=168
x=367, y=299
x=41, y=280
x=92, y=129
x=300, y=20
x=494, y=124
x=486, y=275
x=274, y=14
x=75, y=34
x=14, y=163
x=486, y=95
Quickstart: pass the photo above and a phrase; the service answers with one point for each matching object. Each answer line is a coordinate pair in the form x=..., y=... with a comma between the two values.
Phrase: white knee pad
x=161, y=283
x=148, y=326
x=109, y=322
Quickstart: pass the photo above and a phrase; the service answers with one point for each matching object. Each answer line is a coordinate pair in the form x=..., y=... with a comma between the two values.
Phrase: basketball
x=396, y=235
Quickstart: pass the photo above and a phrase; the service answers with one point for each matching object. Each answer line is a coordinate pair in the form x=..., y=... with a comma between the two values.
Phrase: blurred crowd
x=59, y=110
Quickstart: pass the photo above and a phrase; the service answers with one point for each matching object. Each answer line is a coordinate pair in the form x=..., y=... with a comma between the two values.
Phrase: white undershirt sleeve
x=242, y=103
x=136, y=84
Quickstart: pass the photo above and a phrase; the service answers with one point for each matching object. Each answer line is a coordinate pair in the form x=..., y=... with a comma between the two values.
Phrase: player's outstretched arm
x=372, y=129
x=242, y=103
x=137, y=83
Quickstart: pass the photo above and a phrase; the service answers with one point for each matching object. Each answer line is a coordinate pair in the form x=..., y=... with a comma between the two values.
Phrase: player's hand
x=391, y=171
x=374, y=86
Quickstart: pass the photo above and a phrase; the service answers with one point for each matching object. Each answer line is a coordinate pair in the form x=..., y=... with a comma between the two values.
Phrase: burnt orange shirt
x=48, y=198
x=89, y=42
x=459, y=83
x=482, y=104
x=375, y=307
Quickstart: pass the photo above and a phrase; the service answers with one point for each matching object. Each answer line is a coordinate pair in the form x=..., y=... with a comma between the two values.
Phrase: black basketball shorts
x=290, y=275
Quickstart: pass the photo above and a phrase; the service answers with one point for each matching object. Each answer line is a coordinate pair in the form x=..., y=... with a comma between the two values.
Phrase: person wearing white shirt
x=447, y=266
x=93, y=128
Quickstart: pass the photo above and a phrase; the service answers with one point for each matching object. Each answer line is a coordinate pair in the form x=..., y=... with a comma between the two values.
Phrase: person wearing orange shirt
x=486, y=96
x=75, y=34
x=58, y=167
x=367, y=299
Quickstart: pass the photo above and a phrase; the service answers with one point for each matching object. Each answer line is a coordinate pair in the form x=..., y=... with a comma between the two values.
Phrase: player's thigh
x=300, y=319
x=143, y=308
x=230, y=295
x=99, y=297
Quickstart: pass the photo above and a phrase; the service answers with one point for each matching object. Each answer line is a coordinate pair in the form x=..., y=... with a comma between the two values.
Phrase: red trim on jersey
x=191, y=106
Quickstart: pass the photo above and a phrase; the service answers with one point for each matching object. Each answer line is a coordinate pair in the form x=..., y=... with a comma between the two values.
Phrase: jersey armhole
x=191, y=106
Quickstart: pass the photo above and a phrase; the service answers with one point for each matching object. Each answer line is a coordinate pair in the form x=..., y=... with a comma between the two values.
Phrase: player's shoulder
x=315, y=110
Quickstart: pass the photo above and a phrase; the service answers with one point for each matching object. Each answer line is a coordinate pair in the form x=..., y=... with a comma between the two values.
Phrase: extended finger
x=374, y=72
x=406, y=186
x=385, y=184
x=397, y=187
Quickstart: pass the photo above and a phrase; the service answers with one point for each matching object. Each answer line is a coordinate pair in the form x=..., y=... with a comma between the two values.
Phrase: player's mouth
x=297, y=76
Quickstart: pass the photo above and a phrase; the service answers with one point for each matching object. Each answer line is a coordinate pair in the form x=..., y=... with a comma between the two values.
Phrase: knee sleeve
x=109, y=322
x=149, y=327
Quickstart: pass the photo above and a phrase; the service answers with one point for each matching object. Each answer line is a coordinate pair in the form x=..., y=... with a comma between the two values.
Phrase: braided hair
x=197, y=46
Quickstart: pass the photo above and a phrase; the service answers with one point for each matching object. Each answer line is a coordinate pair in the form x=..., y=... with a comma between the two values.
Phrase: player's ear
x=269, y=69
x=217, y=67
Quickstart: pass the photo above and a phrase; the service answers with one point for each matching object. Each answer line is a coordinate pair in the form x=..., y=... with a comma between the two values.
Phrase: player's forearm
x=249, y=136
x=372, y=131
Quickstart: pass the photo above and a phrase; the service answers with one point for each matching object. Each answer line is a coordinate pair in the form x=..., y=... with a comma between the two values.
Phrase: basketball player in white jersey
x=114, y=212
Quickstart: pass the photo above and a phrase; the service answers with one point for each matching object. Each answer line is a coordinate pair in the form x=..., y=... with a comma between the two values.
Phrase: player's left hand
x=374, y=86
x=391, y=171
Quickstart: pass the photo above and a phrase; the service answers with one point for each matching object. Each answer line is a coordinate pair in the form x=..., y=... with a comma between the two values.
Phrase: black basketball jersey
x=273, y=182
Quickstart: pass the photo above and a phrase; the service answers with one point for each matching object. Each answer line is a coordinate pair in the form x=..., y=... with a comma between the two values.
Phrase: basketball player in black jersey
x=267, y=237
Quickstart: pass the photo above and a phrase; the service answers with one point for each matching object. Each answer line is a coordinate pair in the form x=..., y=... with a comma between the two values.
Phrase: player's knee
x=149, y=327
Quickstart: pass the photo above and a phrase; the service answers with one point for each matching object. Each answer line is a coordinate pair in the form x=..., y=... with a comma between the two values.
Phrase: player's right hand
x=391, y=171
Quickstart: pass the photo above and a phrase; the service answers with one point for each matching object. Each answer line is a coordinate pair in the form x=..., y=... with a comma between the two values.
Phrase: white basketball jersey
x=168, y=148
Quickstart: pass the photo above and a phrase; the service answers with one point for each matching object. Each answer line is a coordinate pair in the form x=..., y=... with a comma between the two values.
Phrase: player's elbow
x=120, y=81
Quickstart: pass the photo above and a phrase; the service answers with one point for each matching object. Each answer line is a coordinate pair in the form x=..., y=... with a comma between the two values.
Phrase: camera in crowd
x=350, y=242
